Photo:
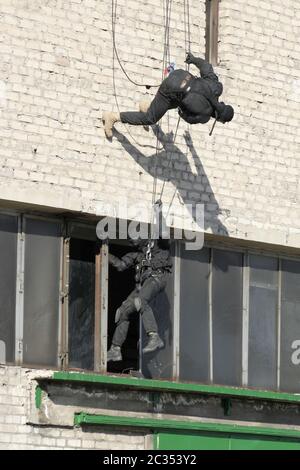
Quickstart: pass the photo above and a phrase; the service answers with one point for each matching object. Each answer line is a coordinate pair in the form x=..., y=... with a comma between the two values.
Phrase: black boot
x=114, y=354
x=153, y=344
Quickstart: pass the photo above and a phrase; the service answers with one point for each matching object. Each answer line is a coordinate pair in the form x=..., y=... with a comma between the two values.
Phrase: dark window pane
x=82, y=304
x=160, y=364
x=194, y=316
x=263, y=322
x=227, y=305
x=8, y=254
x=41, y=292
x=290, y=327
x=82, y=231
x=120, y=286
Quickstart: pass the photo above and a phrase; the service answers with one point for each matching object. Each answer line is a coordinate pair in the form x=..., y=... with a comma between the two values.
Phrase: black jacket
x=201, y=102
x=160, y=262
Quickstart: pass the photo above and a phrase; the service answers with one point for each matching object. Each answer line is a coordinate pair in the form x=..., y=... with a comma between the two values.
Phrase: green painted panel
x=189, y=441
x=264, y=443
x=218, y=441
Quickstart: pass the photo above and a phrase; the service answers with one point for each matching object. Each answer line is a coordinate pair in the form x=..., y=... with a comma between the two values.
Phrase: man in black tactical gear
x=151, y=278
x=195, y=97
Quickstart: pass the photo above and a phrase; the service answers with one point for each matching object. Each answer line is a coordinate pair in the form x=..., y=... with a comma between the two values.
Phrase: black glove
x=190, y=58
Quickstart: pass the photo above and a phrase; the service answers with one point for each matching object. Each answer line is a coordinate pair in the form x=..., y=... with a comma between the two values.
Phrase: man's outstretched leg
x=144, y=105
x=159, y=106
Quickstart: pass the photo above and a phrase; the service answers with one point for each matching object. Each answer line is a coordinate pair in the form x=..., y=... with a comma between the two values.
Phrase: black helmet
x=225, y=112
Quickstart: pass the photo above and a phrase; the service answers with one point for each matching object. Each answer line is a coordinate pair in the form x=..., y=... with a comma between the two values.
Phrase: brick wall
x=15, y=433
x=56, y=79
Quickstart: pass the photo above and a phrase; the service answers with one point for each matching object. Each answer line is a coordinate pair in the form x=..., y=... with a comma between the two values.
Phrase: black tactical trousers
x=138, y=301
x=168, y=97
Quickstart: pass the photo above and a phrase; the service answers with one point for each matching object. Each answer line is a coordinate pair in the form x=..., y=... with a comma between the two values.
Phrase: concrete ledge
x=176, y=387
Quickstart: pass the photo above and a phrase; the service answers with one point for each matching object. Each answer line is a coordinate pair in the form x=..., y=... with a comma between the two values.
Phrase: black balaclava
x=225, y=112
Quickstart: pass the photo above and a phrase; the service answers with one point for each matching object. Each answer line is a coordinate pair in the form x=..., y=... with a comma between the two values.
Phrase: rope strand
x=187, y=40
x=114, y=9
x=167, y=9
x=167, y=17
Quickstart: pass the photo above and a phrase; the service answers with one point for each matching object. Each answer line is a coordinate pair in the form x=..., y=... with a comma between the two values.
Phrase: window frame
x=246, y=252
x=101, y=295
x=21, y=248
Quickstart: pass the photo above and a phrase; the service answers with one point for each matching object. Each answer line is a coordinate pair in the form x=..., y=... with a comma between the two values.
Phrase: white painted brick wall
x=56, y=80
x=15, y=383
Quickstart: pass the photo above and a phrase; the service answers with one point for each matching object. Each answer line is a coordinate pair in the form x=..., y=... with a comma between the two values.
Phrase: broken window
x=41, y=291
x=263, y=309
x=81, y=303
x=227, y=309
x=290, y=327
x=8, y=269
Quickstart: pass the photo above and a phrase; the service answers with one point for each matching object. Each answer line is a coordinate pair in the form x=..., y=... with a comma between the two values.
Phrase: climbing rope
x=114, y=6
x=114, y=17
x=167, y=9
x=187, y=43
x=187, y=28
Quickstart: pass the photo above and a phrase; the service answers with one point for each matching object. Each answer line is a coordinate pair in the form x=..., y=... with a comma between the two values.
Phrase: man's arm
x=206, y=69
x=162, y=259
x=124, y=263
x=193, y=118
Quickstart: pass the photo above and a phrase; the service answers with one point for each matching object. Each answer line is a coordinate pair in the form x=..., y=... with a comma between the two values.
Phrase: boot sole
x=115, y=360
x=160, y=346
x=107, y=130
x=142, y=110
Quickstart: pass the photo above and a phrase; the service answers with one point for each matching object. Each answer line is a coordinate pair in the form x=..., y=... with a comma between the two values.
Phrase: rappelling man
x=196, y=99
x=152, y=264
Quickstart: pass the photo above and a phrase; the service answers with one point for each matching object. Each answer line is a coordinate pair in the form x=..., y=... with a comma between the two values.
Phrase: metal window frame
x=210, y=316
x=59, y=221
x=245, y=332
x=19, y=314
x=272, y=252
x=246, y=252
x=176, y=310
x=63, y=353
x=101, y=307
x=100, y=300
x=102, y=295
x=278, y=259
x=279, y=306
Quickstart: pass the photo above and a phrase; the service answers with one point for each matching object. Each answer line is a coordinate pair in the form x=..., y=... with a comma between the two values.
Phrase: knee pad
x=143, y=304
x=125, y=310
x=137, y=303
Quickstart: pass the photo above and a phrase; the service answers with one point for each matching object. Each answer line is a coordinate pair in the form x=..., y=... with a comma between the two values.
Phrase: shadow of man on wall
x=171, y=164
